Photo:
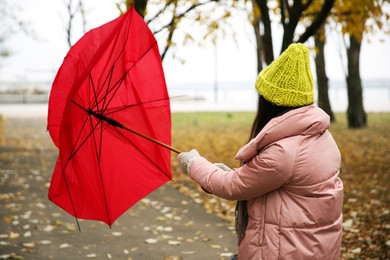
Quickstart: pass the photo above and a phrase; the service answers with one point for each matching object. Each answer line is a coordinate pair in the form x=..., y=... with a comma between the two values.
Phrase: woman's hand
x=185, y=159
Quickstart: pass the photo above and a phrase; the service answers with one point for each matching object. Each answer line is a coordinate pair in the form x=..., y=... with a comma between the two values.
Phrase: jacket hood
x=308, y=120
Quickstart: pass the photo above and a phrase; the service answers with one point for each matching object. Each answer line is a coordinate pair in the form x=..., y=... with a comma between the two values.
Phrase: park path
x=164, y=225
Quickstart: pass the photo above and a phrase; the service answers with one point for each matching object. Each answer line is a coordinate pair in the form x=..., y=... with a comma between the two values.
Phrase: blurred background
x=212, y=50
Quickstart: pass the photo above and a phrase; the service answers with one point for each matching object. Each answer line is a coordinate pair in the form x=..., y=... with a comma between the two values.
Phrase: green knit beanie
x=288, y=80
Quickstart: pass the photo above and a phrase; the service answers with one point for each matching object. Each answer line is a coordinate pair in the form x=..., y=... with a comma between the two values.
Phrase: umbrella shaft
x=109, y=120
x=115, y=123
x=152, y=140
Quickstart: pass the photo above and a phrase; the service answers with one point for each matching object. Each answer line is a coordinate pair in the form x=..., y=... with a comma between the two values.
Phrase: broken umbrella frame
x=109, y=115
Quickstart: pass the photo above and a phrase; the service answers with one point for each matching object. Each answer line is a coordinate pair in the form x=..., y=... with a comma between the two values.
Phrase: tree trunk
x=139, y=6
x=322, y=79
x=293, y=11
x=290, y=22
x=266, y=39
x=357, y=117
x=259, y=45
x=318, y=21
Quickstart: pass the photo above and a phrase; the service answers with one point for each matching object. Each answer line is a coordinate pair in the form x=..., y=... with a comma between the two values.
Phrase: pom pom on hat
x=288, y=81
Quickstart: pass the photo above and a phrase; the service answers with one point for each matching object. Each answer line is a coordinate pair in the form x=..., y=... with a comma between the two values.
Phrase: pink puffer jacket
x=291, y=182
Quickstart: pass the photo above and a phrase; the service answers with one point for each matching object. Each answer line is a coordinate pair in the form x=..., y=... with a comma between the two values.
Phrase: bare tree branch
x=308, y=3
x=181, y=15
x=316, y=24
x=161, y=11
x=70, y=22
x=83, y=17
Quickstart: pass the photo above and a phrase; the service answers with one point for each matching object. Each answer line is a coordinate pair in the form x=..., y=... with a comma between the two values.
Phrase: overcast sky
x=39, y=59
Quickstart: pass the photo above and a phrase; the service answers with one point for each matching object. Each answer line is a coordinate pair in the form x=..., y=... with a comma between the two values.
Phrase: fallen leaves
x=29, y=245
x=174, y=242
x=32, y=227
x=165, y=235
x=366, y=176
x=27, y=216
x=151, y=241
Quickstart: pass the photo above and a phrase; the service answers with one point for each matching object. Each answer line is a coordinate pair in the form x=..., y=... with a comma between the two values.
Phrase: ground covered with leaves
x=166, y=225
x=365, y=172
x=33, y=228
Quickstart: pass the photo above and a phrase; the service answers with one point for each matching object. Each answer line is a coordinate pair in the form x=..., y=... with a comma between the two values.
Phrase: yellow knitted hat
x=288, y=80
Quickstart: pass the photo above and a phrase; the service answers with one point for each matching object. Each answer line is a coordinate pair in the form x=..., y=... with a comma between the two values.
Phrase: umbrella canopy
x=110, y=81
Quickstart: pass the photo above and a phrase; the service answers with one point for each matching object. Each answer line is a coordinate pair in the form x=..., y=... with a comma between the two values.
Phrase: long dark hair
x=265, y=112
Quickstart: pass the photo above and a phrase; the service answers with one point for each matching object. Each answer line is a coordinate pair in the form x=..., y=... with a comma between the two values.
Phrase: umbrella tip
x=78, y=225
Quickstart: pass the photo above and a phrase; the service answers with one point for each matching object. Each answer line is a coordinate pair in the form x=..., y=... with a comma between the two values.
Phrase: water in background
x=232, y=96
x=241, y=96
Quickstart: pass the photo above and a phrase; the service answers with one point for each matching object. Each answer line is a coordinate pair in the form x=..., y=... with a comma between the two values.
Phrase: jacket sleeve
x=267, y=171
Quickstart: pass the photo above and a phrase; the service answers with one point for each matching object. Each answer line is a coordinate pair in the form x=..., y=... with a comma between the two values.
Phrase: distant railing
x=23, y=99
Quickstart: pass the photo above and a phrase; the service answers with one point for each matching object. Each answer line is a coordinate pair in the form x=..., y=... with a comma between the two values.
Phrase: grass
x=218, y=135
x=365, y=171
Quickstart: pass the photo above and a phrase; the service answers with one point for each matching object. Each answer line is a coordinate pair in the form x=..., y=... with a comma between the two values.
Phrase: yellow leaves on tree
x=362, y=16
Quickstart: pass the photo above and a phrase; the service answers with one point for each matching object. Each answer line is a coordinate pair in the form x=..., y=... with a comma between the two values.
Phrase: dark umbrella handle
x=151, y=139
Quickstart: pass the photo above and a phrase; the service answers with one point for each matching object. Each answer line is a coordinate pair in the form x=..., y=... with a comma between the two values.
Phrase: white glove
x=223, y=167
x=185, y=159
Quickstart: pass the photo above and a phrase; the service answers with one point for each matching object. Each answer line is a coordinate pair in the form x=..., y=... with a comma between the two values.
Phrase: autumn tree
x=74, y=9
x=355, y=23
x=171, y=13
x=289, y=14
x=358, y=18
x=165, y=19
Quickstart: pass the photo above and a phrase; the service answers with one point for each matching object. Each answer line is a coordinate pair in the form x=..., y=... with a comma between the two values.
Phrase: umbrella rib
x=93, y=89
x=109, y=83
x=133, y=105
x=146, y=118
x=69, y=194
x=108, y=91
x=118, y=84
x=141, y=151
x=115, y=88
x=115, y=61
x=120, y=81
x=74, y=151
x=115, y=123
x=98, y=150
x=95, y=102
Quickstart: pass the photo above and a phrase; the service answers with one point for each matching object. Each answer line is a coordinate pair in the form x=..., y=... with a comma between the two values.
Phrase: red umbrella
x=108, y=96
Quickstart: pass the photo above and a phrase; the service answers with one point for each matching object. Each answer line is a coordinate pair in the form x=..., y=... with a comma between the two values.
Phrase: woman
x=288, y=190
